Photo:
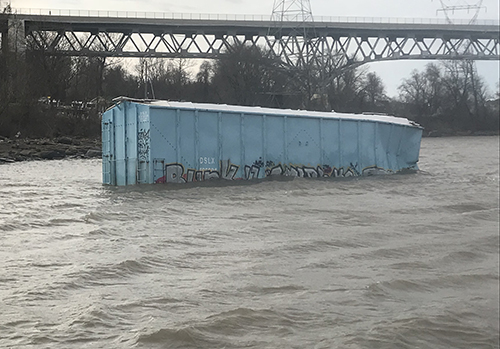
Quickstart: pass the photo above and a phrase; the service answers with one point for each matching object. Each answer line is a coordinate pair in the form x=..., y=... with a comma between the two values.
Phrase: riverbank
x=451, y=133
x=12, y=150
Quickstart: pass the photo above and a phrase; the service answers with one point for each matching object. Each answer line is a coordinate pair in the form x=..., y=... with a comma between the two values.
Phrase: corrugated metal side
x=125, y=145
x=108, y=168
x=119, y=131
x=194, y=145
x=143, y=145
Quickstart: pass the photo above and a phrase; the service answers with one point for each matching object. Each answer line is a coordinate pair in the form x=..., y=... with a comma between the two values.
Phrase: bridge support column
x=14, y=40
x=3, y=41
x=4, y=32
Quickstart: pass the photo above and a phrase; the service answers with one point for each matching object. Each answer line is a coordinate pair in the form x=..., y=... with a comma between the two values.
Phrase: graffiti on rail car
x=143, y=141
x=177, y=173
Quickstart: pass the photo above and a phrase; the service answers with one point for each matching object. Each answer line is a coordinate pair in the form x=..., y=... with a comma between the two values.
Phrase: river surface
x=398, y=261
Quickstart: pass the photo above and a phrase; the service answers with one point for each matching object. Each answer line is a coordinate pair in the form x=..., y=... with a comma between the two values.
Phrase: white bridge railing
x=232, y=17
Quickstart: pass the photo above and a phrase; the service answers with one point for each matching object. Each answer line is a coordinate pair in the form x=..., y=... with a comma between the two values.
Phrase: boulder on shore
x=51, y=154
x=48, y=149
x=93, y=153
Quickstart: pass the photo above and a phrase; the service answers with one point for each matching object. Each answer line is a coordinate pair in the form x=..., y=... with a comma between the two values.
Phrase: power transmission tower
x=295, y=42
x=292, y=10
x=449, y=7
x=303, y=54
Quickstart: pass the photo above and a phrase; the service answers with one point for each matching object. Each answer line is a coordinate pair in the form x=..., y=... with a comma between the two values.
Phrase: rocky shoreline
x=12, y=150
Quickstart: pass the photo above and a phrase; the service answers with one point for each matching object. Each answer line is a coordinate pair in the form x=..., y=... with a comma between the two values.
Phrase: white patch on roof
x=271, y=111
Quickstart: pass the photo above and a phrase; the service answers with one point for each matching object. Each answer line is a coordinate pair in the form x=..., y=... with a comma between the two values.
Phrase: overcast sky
x=370, y=8
x=352, y=8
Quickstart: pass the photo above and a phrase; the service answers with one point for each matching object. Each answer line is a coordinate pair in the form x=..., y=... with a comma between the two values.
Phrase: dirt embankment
x=12, y=150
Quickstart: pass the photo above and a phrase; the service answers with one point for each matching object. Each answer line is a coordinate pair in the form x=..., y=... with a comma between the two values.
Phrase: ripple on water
x=394, y=262
x=444, y=332
x=7, y=227
x=108, y=273
x=237, y=328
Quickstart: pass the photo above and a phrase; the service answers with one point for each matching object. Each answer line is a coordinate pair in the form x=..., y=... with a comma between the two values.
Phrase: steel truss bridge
x=359, y=42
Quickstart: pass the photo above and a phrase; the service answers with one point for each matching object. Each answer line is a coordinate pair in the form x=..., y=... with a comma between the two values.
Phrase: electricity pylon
x=449, y=7
x=303, y=53
x=292, y=10
x=295, y=42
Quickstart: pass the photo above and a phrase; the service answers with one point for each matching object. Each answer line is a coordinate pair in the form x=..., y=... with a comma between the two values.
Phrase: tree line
x=48, y=96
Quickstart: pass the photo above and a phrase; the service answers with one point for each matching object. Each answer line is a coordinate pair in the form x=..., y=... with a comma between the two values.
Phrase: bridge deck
x=208, y=38
x=258, y=27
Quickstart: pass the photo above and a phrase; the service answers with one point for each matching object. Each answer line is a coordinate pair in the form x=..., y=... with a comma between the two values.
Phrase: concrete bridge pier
x=16, y=36
x=13, y=36
x=4, y=32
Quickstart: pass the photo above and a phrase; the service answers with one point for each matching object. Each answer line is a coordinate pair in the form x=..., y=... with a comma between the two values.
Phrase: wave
x=111, y=273
x=409, y=289
x=236, y=328
x=7, y=227
x=437, y=332
x=263, y=291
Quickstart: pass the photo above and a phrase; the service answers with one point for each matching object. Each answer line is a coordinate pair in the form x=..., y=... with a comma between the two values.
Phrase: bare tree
x=245, y=76
x=346, y=91
x=452, y=94
x=118, y=82
x=203, y=81
x=374, y=91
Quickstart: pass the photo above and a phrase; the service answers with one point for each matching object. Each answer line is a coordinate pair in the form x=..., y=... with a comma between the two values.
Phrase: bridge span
x=360, y=42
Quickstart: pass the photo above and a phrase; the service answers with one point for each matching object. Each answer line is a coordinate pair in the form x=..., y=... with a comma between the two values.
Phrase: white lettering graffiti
x=143, y=116
x=207, y=161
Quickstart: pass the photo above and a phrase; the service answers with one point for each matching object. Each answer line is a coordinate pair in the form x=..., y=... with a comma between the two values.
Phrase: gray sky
x=361, y=8
x=391, y=72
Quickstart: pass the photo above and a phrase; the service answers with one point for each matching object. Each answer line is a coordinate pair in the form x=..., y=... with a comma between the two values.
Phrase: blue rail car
x=178, y=142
